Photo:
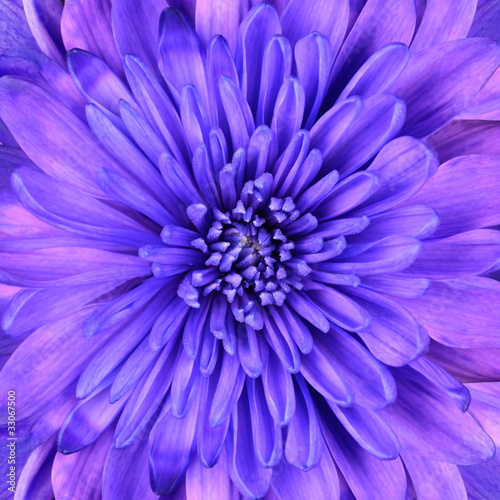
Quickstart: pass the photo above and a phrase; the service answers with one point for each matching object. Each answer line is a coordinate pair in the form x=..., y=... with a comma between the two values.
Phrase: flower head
x=250, y=250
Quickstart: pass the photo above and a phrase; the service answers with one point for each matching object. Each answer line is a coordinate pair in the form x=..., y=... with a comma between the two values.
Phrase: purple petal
x=171, y=447
x=475, y=324
x=87, y=26
x=465, y=254
x=371, y=382
x=402, y=167
x=388, y=255
x=338, y=308
x=380, y=120
x=15, y=29
x=135, y=28
x=55, y=203
x=79, y=475
x=366, y=474
x=156, y=106
x=266, y=432
x=211, y=484
x=396, y=286
x=443, y=21
x=305, y=308
x=54, y=138
x=378, y=73
x=463, y=192
x=229, y=387
x=467, y=365
x=248, y=350
x=96, y=81
x=419, y=221
x=427, y=423
x=291, y=483
x=465, y=137
x=276, y=67
x=304, y=445
x=181, y=58
x=87, y=421
x=327, y=133
x=46, y=378
x=279, y=391
x=256, y=30
x=218, y=18
x=210, y=439
x=278, y=337
x=146, y=397
x=393, y=336
x=244, y=468
x=301, y=18
x=440, y=81
x=313, y=58
x=44, y=19
x=485, y=22
x=369, y=429
x=35, y=478
x=237, y=111
x=347, y=195
x=380, y=22
x=321, y=373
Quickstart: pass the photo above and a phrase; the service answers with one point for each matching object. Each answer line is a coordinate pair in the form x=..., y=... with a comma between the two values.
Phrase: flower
x=252, y=252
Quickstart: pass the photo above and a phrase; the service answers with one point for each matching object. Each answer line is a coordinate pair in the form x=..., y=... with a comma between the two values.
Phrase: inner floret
x=249, y=254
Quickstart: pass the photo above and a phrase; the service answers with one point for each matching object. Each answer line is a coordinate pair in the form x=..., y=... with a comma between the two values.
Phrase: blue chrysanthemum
x=249, y=250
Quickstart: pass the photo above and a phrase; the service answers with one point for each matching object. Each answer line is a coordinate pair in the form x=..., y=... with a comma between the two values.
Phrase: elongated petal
x=88, y=26
x=475, y=325
x=463, y=193
x=55, y=139
x=444, y=21
x=453, y=74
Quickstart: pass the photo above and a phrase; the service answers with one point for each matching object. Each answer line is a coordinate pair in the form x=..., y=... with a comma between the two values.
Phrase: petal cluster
x=251, y=251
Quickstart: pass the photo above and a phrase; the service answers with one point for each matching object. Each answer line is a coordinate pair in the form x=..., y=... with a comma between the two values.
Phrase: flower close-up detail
x=250, y=250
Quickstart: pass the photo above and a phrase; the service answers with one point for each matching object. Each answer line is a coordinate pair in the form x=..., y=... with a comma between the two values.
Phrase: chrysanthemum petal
x=380, y=120
x=245, y=470
x=419, y=221
x=427, y=424
x=476, y=324
x=485, y=22
x=88, y=26
x=276, y=67
x=256, y=30
x=402, y=167
x=16, y=31
x=464, y=194
x=431, y=478
x=364, y=473
x=87, y=466
x=146, y=397
x=55, y=139
x=397, y=286
x=218, y=18
x=465, y=254
x=266, y=432
x=81, y=427
x=467, y=365
x=291, y=483
x=45, y=378
x=379, y=72
x=369, y=429
x=156, y=105
x=135, y=28
x=443, y=20
x=44, y=18
x=379, y=23
x=440, y=81
x=466, y=137
x=393, y=335
x=313, y=58
x=171, y=447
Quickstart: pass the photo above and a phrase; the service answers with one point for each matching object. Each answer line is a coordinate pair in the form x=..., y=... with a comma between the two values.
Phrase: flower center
x=249, y=255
